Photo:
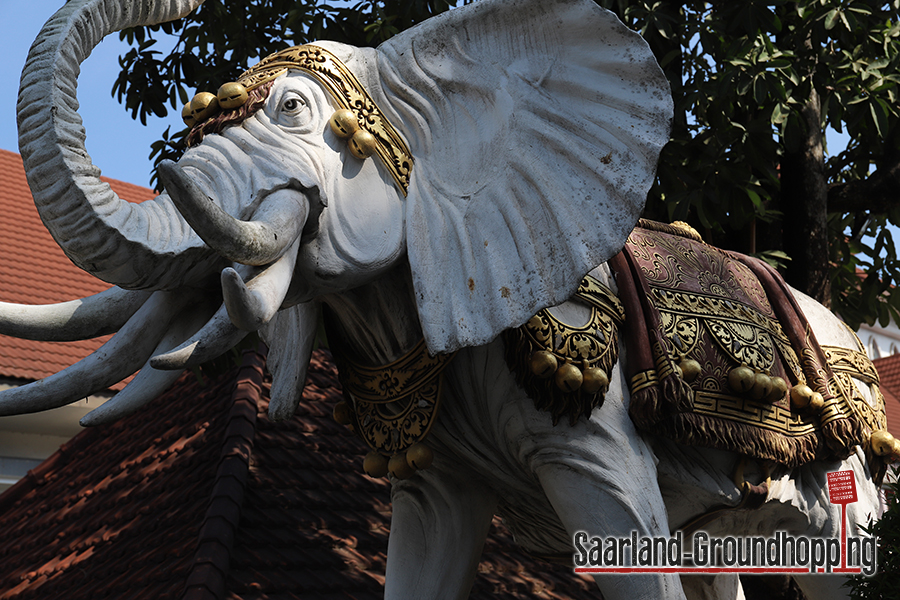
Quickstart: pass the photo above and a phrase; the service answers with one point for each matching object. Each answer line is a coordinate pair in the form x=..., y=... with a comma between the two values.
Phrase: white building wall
x=880, y=341
x=26, y=440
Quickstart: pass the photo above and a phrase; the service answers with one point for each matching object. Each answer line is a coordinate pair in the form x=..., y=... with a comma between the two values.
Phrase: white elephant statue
x=429, y=194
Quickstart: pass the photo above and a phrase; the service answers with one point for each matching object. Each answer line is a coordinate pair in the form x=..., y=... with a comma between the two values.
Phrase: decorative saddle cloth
x=720, y=355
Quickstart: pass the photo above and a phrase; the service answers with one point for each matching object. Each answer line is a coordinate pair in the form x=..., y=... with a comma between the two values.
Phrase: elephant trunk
x=134, y=246
x=276, y=224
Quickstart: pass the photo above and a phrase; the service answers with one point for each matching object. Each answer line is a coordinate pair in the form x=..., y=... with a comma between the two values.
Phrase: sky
x=117, y=144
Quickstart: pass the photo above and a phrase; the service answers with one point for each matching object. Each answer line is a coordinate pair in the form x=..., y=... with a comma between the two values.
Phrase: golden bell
x=594, y=380
x=882, y=442
x=342, y=413
x=569, y=378
x=203, y=106
x=186, y=115
x=800, y=395
x=344, y=123
x=362, y=144
x=399, y=468
x=895, y=450
x=543, y=364
x=779, y=389
x=419, y=456
x=375, y=465
x=741, y=379
x=816, y=402
x=232, y=95
x=762, y=386
x=690, y=369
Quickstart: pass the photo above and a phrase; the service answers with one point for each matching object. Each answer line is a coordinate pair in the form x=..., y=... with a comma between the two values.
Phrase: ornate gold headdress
x=359, y=120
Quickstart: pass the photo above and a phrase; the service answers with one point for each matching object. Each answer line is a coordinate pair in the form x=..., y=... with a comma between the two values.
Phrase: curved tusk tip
x=89, y=420
x=281, y=412
x=176, y=182
x=98, y=416
x=166, y=171
x=231, y=277
x=244, y=307
x=176, y=359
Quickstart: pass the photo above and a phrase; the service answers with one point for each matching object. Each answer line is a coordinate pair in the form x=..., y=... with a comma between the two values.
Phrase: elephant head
x=515, y=141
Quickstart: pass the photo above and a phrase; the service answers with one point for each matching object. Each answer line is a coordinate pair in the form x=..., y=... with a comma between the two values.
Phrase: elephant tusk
x=90, y=317
x=277, y=223
x=113, y=361
x=146, y=386
x=217, y=336
x=138, y=246
x=149, y=383
x=290, y=336
x=253, y=304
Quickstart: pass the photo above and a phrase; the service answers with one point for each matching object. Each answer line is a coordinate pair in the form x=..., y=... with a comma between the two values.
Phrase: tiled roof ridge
x=889, y=371
x=207, y=576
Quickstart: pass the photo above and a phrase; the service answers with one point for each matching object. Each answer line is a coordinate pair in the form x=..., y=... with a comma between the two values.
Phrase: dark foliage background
x=755, y=83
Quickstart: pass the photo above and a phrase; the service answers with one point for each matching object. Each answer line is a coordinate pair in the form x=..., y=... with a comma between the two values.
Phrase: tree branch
x=804, y=195
x=876, y=194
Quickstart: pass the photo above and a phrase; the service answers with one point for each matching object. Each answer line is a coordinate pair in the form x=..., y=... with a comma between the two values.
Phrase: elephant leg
x=587, y=502
x=439, y=524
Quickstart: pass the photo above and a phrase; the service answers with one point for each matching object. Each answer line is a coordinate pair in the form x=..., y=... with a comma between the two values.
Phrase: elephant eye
x=292, y=109
x=292, y=105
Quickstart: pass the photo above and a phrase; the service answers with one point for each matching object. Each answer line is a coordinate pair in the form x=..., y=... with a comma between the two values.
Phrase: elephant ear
x=535, y=126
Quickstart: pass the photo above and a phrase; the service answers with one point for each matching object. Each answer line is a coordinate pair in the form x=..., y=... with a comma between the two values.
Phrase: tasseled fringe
x=842, y=435
x=877, y=464
x=543, y=392
x=653, y=404
x=677, y=393
x=699, y=430
x=644, y=408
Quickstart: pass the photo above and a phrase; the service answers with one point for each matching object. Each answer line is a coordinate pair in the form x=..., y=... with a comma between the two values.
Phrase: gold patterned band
x=857, y=364
x=644, y=379
x=348, y=92
x=395, y=405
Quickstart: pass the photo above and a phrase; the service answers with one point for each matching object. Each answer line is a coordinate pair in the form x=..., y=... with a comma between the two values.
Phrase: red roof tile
x=889, y=372
x=199, y=495
x=104, y=513
x=35, y=271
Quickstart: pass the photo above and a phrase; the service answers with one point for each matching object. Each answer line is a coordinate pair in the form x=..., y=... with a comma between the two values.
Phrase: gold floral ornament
x=358, y=120
x=393, y=407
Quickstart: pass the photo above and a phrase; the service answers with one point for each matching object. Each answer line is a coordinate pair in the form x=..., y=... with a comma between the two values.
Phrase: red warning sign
x=841, y=487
